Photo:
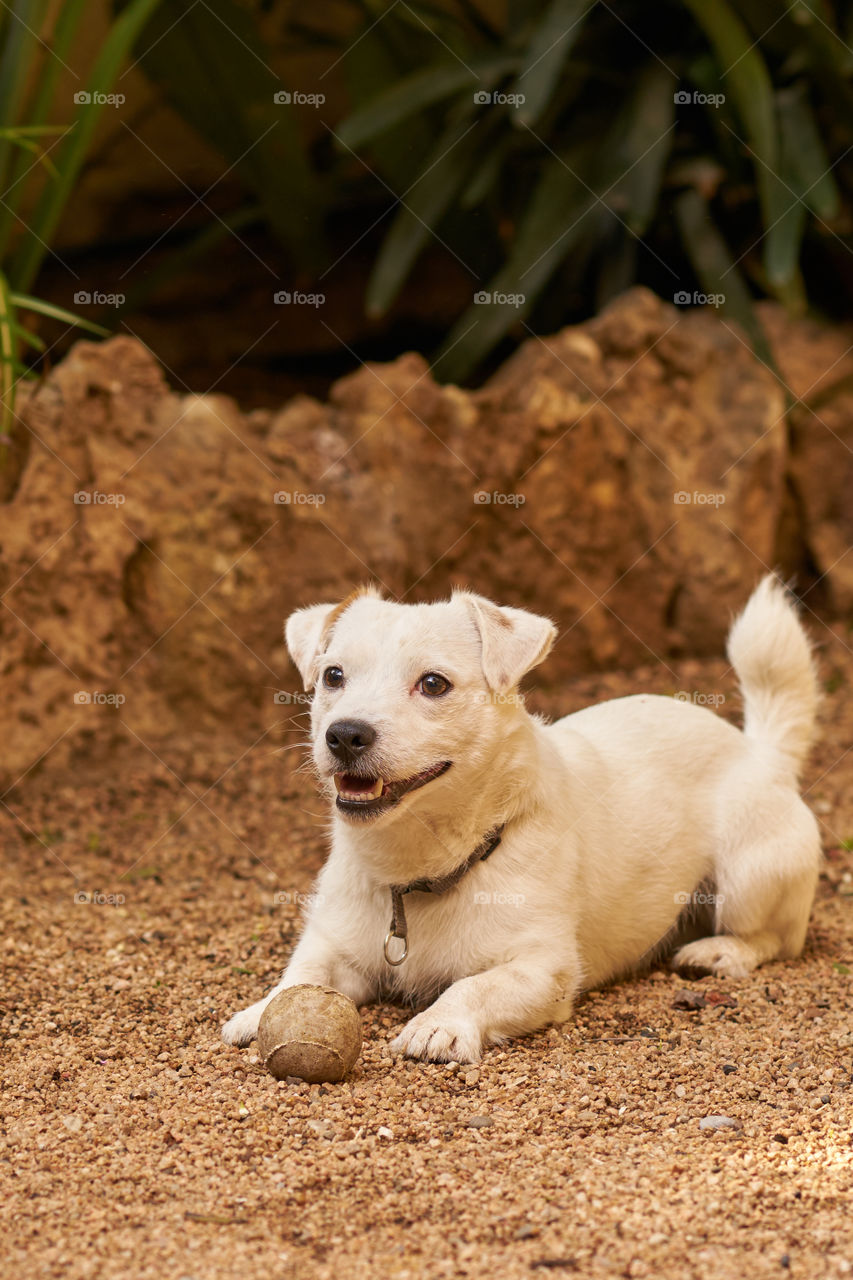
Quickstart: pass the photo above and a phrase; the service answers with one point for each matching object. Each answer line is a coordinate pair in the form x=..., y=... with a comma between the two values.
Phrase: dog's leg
x=764, y=897
x=508, y=1000
x=315, y=961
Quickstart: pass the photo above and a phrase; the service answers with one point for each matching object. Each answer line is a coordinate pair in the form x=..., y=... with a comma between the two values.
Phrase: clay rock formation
x=627, y=476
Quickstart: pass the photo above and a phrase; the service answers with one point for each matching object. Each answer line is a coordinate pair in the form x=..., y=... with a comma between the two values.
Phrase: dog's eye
x=333, y=677
x=433, y=685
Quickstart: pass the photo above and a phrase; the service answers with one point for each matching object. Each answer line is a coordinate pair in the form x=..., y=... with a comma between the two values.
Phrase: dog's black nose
x=348, y=739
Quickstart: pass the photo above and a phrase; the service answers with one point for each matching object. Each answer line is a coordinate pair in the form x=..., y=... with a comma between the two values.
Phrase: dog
x=498, y=865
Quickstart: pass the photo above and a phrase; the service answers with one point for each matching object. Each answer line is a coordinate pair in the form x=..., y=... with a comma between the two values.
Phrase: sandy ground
x=134, y=1143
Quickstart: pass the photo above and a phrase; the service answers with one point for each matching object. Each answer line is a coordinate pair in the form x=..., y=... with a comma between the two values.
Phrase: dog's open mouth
x=366, y=796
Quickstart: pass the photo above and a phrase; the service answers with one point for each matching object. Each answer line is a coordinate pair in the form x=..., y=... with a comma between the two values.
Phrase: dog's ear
x=513, y=641
x=304, y=632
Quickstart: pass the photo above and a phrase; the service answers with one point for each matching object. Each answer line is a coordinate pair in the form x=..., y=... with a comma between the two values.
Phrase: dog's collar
x=399, y=928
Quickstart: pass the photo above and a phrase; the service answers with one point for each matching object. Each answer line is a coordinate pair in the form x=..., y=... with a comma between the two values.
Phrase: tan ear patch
x=366, y=589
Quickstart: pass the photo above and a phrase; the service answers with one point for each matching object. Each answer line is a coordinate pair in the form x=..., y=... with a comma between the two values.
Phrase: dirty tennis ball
x=310, y=1032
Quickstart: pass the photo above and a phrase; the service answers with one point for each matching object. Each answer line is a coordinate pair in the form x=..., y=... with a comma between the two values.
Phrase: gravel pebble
x=719, y=1122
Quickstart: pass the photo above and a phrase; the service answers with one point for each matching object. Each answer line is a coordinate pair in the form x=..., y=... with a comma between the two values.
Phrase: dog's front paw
x=435, y=1038
x=725, y=956
x=243, y=1027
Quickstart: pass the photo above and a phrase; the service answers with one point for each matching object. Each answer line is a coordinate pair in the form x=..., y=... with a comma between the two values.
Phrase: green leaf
x=28, y=337
x=18, y=131
x=43, y=308
x=804, y=155
x=745, y=77
x=486, y=174
x=370, y=69
x=713, y=263
x=35, y=111
x=423, y=89
x=42, y=224
x=25, y=140
x=557, y=217
x=8, y=357
x=424, y=205
x=642, y=144
x=550, y=45
x=20, y=46
x=214, y=69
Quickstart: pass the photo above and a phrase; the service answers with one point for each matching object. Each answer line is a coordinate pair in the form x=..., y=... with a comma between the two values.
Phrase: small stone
x=471, y=1077
x=480, y=1122
x=781, y=1137
x=721, y=998
x=526, y=1232
x=384, y=1132
x=719, y=1122
x=690, y=1000
x=824, y=1097
x=729, y=1068
x=321, y=1129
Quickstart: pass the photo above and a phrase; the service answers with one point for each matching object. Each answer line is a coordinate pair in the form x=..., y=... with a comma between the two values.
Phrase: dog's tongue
x=352, y=787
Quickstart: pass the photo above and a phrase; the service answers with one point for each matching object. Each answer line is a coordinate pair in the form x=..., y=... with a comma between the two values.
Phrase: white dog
x=535, y=860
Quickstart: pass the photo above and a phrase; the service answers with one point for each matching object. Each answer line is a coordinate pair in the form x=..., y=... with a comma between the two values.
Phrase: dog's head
x=408, y=695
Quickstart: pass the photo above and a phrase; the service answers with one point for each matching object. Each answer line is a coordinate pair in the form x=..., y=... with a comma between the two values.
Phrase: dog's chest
x=449, y=936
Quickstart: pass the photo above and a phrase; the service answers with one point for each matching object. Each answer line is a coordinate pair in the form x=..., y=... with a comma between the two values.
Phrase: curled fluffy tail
x=772, y=658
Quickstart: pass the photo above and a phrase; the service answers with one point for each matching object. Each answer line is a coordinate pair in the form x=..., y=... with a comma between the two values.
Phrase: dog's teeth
x=373, y=793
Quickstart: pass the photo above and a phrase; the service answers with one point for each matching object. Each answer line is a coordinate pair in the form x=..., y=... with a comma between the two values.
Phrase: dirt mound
x=630, y=477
